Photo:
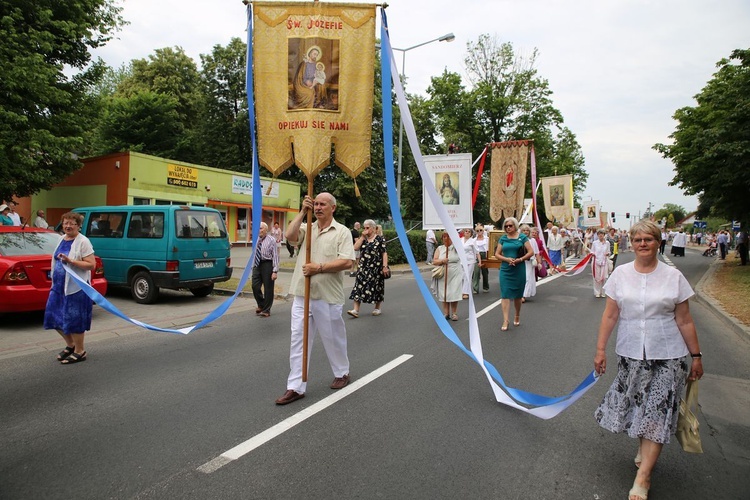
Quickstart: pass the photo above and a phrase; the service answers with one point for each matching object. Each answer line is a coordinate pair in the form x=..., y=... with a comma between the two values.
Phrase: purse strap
x=691, y=396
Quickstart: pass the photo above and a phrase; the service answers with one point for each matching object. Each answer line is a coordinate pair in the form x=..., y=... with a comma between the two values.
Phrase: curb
x=713, y=305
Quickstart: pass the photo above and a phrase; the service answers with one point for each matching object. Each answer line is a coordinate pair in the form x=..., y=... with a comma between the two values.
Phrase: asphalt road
x=149, y=414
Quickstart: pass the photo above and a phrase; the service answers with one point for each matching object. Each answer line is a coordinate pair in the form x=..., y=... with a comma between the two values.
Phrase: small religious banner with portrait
x=558, y=199
x=313, y=83
x=591, y=213
x=508, y=179
x=451, y=176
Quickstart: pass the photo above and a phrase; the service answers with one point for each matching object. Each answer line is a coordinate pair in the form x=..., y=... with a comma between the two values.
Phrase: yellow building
x=138, y=179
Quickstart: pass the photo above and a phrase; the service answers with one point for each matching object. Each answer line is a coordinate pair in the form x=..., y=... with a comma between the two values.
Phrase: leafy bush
x=396, y=253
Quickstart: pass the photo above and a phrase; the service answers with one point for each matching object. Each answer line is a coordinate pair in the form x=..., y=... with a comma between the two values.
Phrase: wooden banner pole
x=308, y=252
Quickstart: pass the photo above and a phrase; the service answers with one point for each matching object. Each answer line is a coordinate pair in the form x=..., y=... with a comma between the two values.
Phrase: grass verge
x=730, y=286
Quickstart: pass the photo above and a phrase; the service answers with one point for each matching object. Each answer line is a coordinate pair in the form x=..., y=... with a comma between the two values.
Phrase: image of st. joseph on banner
x=313, y=80
x=558, y=199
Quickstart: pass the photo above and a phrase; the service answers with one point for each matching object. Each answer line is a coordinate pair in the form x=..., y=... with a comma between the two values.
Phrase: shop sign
x=244, y=185
x=182, y=176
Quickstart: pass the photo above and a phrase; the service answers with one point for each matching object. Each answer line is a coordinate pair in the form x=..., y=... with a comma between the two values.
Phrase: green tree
x=44, y=111
x=676, y=212
x=711, y=144
x=146, y=122
x=168, y=72
x=670, y=221
x=223, y=138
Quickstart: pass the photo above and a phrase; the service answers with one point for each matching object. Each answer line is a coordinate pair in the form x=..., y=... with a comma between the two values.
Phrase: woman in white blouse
x=599, y=270
x=472, y=259
x=531, y=265
x=654, y=337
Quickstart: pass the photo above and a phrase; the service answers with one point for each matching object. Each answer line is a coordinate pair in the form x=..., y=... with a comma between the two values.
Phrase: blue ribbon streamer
x=557, y=404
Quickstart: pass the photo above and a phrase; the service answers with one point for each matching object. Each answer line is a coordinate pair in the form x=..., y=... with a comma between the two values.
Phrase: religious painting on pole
x=558, y=198
x=313, y=79
x=528, y=216
x=451, y=177
x=591, y=213
x=508, y=179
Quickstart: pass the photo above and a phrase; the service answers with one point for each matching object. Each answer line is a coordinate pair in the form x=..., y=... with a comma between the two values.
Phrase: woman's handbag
x=386, y=272
x=542, y=270
x=438, y=272
x=610, y=265
x=687, y=422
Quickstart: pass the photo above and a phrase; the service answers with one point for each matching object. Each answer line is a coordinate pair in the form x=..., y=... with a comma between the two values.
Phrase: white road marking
x=283, y=426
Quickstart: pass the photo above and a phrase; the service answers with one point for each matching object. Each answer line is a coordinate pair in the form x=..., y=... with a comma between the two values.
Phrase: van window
x=146, y=225
x=198, y=224
x=106, y=225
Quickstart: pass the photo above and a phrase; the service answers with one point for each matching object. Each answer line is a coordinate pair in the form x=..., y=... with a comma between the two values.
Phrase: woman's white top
x=554, y=242
x=483, y=244
x=600, y=249
x=647, y=328
x=471, y=250
x=80, y=248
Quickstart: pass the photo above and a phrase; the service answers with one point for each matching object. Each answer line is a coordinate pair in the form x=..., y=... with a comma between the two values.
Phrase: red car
x=25, y=263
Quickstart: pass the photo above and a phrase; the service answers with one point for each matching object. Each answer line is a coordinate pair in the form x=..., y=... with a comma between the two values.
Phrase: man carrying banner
x=331, y=254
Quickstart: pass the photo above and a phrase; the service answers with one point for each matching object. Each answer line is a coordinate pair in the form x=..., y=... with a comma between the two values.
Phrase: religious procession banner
x=451, y=176
x=313, y=78
x=528, y=216
x=591, y=213
x=508, y=178
x=558, y=198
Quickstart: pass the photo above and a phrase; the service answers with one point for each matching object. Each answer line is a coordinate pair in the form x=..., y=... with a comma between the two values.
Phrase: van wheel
x=202, y=291
x=142, y=288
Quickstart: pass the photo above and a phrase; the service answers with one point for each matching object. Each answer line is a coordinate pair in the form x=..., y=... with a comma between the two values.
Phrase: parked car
x=147, y=247
x=25, y=264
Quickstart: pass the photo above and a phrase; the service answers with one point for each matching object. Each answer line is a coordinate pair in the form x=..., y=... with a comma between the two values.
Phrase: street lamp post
x=445, y=38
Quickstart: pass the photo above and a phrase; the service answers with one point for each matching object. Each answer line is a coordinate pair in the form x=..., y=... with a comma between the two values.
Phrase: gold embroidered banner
x=558, y=198
x=508, y=179
x=314, y=76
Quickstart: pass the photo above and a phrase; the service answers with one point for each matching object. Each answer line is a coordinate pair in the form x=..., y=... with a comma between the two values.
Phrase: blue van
x=147, y=247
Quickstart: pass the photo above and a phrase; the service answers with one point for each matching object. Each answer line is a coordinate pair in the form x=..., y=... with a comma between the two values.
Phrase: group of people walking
x=657, y=345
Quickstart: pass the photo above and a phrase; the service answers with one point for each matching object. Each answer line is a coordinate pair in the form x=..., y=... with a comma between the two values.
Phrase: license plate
x=204, y=265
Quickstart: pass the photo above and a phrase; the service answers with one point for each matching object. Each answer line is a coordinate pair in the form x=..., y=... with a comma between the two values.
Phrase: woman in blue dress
x=513, y=250
x=68, y=308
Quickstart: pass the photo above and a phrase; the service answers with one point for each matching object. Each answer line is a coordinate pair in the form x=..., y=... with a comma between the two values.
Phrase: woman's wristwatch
x=699, y=355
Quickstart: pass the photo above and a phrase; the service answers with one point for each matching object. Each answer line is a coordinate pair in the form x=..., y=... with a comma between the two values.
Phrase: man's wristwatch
x=699, y=355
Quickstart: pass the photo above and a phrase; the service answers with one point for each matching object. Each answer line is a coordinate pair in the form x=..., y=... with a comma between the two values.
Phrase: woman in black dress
x=369, y=286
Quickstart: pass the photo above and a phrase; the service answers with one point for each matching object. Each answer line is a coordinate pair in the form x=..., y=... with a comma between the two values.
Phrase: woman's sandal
x=638, y=492
x=74, y=358
x=638, y=460
x=65, y=353
x=454, y=317
x=353, y=313
x=504, y=328
x=517, y=321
